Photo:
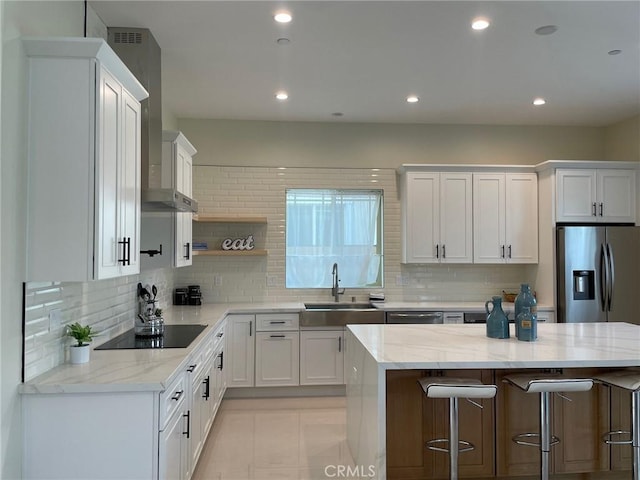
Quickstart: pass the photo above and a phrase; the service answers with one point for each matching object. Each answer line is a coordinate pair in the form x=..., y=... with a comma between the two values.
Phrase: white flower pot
x=79, y=354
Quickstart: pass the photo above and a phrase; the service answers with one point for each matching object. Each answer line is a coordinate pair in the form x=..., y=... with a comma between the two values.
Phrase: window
x=334, y=226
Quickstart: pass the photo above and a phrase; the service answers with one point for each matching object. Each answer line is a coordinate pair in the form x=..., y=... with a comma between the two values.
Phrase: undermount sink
x=339, y=314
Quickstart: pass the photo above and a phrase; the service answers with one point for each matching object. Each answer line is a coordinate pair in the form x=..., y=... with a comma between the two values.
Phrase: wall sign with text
x=238, y=243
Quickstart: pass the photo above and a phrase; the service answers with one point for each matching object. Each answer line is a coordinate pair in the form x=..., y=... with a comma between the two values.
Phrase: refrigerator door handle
x=604, y=277
x=612, y=277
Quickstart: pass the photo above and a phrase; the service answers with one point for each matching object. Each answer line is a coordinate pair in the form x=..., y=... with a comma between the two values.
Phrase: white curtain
x=324, y=227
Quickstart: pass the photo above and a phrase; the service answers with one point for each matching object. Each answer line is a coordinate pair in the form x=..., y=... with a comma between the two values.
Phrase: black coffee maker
x=194, y=294
x=181, y=296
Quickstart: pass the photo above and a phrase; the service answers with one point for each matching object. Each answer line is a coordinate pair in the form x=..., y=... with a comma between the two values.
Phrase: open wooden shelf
x=229, y=218
x=231, y=253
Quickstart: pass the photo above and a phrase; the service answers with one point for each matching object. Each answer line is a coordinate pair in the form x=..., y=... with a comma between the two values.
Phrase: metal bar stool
x=545, y=386
x=454, y=388
x=628, y=379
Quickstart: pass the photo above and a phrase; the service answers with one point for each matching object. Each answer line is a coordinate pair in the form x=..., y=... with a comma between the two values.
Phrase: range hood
x=139, y=51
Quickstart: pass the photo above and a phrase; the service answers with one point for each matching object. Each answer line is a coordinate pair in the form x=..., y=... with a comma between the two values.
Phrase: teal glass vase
x=525, y=299
x=527, y=325
x=497, y=320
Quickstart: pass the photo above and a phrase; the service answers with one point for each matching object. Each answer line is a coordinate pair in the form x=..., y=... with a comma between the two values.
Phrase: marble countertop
x=153, y=369
x=147, y=369
x=467, y=346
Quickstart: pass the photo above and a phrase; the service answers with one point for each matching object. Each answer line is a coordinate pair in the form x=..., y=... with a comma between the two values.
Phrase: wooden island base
x=412, y=419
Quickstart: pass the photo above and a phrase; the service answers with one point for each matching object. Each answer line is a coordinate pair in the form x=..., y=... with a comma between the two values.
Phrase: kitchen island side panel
x=366, y=409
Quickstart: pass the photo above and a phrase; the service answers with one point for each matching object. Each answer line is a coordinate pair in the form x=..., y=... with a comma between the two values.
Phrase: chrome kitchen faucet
x=335, y=290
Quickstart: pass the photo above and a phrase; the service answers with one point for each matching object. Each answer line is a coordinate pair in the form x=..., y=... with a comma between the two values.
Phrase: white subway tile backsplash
x=261, y=191
x=107, y=305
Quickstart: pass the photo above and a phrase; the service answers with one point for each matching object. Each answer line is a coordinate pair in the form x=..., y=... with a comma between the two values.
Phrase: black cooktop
x=175, y=336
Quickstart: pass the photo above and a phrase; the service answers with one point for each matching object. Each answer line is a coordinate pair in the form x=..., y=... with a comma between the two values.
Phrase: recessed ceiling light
x=412, y=99
x=614, y=52
x=479, y=23
x=282, y=95
x=546, y=30
x=282, y=17
x=539, y=101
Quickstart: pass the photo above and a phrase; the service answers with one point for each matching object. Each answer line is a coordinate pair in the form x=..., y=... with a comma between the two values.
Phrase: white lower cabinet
x=322, y=357
x=217, y=381
x=173, y=441
x=199, y=414
x=277, y=359
x=241, y=347
x=173, y=449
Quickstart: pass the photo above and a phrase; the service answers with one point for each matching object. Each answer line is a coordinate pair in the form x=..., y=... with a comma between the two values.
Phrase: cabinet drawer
x=218, y=336
x=277, y=321
x=171, y=399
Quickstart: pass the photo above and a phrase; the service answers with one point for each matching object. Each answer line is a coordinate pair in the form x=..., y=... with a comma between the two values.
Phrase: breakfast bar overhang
x=372, y=350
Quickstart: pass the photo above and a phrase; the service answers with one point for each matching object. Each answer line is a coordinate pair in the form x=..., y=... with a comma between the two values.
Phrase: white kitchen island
x=374, y=349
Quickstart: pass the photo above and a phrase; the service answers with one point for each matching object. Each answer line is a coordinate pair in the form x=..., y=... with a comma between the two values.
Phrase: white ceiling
x=362, y=58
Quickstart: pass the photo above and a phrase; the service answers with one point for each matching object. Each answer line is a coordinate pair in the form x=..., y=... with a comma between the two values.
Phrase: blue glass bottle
x=497, y=320
x=525, y=299
x=527, y=325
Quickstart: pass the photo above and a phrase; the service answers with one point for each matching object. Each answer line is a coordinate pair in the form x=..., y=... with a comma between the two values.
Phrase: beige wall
x=364, y=145
x=622, y=140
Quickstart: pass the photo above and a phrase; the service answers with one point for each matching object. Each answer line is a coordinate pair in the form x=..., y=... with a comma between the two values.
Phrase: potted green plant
x=79, y=352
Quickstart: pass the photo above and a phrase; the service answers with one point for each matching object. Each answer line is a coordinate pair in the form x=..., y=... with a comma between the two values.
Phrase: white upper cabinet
x=505, y=218
x=177, y=165
x=83, y=220
x=596, y=195
x=437, y=217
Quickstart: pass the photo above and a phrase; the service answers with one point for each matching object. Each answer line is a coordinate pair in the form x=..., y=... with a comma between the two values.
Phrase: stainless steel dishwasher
x=414, y=317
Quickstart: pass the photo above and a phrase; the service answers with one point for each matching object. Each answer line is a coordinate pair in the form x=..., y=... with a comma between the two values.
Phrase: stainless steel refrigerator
x=598, y=274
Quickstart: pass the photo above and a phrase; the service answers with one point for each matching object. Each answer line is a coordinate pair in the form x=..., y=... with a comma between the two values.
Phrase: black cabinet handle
x=221, y=356
x=219, y=335
x=502, y=254
x=444, y=251
x=124, y=258
x=188, y=247
x=601, y=208
x=276, y=336
x=177, y=395
x=277, y=322
x=437, y=251
x=206, y=388
x=593, y=212
x=126, y=250
x=250, y=327
x=509, y=251
x=188, y=416
x=339, y=344
x=191, y=368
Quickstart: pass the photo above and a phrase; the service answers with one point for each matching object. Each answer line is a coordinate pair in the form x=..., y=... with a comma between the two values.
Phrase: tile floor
x=276, y=438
